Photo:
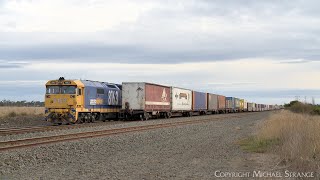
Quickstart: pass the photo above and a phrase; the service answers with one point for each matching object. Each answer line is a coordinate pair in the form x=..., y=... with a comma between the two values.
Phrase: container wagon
x=181, y=102
x=213, y=103
x=145, y=100
x=221, y=104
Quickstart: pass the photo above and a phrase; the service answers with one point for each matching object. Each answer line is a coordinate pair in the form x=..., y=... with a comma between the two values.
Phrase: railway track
x=10, y=131
x=30, y=142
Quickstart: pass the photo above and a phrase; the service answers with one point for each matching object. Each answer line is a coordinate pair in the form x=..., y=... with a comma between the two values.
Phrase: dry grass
x=297, y=137
x=20, y=111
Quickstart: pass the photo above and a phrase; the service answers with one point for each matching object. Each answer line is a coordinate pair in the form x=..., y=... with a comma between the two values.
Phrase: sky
x=263, y=51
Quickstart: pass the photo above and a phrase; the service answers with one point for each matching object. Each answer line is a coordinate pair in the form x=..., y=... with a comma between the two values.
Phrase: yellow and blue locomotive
x=77, y=101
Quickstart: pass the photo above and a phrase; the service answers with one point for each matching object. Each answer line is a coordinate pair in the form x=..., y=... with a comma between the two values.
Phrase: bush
x=12, y=114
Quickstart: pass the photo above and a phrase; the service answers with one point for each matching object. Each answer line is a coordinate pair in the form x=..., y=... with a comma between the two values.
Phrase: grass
x=20, y=111
x=295, y=137
x=258, y=145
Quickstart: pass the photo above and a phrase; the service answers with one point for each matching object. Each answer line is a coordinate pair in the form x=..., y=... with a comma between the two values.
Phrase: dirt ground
x=198, y=151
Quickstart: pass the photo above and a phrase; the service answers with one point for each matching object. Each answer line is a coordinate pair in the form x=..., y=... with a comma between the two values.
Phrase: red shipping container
x=221, y=102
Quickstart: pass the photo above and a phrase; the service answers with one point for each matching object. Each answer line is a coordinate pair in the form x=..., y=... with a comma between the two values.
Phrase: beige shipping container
x=212, y=102
x=181, y=99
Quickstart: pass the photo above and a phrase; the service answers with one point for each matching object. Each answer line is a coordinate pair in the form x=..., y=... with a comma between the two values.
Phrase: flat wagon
x=145, y=100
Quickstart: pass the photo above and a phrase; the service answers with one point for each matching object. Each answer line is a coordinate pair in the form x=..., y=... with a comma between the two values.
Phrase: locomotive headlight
x=72, y=96
x=47, y=96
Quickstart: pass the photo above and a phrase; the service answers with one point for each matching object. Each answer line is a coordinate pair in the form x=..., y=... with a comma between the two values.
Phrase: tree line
x=21, y=103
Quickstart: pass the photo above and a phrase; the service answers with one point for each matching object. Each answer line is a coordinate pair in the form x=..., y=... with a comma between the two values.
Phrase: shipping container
x=237, y=103
x=230, y=104
x=245, y=107
x=254, y=106
x=181, y=99
x=199, y=101
x=141, y=98
x=258, y=107
x=241, y=104
x=212, y=102
x=221, y=103
x=250, y=107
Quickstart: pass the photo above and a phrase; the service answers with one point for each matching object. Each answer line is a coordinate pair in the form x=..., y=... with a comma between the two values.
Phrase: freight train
x=78, y=101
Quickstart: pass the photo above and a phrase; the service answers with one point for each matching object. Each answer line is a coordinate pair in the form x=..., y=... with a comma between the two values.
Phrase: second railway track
x=22, y=130
x=30, y=142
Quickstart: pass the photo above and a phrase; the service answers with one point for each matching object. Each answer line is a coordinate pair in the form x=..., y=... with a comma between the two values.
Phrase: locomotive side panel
x=99, y=95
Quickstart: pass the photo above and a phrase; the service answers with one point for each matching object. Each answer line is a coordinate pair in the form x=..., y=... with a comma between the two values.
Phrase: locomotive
x=78, y=101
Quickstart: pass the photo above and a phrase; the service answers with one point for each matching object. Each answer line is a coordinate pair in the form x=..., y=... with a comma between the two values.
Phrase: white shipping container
x=181, y=99
x=134, y=94
x=245, y=105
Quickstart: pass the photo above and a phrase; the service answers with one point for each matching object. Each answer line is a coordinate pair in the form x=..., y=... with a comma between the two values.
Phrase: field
x=20, y=111
x=294, y=137
x=21, y=116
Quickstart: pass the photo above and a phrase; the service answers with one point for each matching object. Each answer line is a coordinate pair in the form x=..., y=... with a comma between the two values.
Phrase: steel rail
x=30, y=142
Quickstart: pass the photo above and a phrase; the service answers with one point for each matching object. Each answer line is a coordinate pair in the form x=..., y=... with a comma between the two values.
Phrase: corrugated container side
x=158, y=97
x=230, y=103
x=250, y=106
x=181, y=99
x=221, y=102
x=241, y=104
x=212, y=102
x=237, y=102
x=245, y=105
x=133, y=93
x=199, y=101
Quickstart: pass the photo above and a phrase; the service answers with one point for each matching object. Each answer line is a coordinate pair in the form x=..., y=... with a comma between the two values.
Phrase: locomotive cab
x=61, y=100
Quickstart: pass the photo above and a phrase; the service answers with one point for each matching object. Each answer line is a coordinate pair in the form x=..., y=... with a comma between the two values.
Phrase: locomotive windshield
x=61, y=89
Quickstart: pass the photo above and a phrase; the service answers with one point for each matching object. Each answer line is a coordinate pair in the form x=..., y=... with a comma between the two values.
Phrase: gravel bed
x=23, y=121
x=106, y=125
x=185, y=152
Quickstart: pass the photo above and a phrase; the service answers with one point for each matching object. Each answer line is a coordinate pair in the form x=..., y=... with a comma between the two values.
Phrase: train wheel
x=146, y=116
x=168, y=115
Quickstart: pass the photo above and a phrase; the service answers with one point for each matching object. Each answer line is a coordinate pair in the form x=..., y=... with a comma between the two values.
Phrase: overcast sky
x=264, y=51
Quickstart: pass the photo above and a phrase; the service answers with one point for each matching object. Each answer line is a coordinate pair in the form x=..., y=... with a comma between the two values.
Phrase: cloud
x=216, y=46
x=11, y=65
x=158, y=32
x=294, y=61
